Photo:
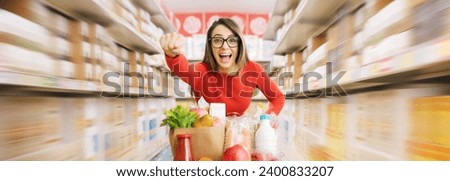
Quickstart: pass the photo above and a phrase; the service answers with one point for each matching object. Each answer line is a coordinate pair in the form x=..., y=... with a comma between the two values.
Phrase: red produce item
x=236, y=153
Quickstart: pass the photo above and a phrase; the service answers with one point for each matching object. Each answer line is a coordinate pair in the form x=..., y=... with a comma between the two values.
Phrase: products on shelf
x=377, y=119
x=335, y=132
x=118, y=142
x=29, y=61
x=21, y=135
x=279, y=61
x=61, y=152
x=316, y=59
x=32, y=10
x=313, y=115
x=60, y=24
x=23, y=32
x=114, y=112
x=67, y=69
x=429, y=125
x=60, y=48
x=388, y=47
x=431, y=20
x=297, y=58
x=372, y=7
x=381, y=125
x=392, y=19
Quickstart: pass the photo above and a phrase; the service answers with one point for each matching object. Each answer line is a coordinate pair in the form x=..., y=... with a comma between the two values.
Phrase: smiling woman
x=225, y=75
x=226, y=57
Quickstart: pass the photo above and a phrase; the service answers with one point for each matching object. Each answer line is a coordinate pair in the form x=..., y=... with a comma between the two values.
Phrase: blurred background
x=363, y=79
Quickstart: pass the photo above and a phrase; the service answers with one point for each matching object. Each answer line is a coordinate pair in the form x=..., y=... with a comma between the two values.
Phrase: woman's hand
x=274, y=120
x=172, y=44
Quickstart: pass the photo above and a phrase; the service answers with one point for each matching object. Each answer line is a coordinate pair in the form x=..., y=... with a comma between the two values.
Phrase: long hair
x=242, y=57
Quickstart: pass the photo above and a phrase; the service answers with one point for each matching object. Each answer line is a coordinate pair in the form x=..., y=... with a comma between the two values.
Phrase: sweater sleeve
x=181, y=68
x=270, y=90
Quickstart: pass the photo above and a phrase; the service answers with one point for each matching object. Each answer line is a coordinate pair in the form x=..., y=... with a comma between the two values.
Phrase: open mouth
x=225, y=57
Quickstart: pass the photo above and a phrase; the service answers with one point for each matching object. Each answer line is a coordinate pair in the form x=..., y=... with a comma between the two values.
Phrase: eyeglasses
x=217, y=42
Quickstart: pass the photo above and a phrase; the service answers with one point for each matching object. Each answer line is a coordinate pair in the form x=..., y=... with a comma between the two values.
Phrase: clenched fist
x=172, y=44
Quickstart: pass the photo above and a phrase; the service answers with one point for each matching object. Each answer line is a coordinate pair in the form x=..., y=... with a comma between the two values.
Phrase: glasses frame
x=225, y=40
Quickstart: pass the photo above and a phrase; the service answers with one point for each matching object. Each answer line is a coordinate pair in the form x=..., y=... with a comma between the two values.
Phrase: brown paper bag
x=205, y=141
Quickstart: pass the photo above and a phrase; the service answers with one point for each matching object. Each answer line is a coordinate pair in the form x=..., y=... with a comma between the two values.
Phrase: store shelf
x=17, y=83
x=275, y=22
x=350, y=6
x=424, y=61
x=130, y=38
x=86, y=9
x=284, y=5
x=262, y=61
x=157, y=14
x=47, y=83
x=116, y=27
x=313, y=14
x=277, y=18
x=162, y=21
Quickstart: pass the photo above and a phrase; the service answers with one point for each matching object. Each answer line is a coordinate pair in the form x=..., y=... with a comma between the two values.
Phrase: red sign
x=257, y=24
x=189, y=24
x=198, y=23
x=241, y=19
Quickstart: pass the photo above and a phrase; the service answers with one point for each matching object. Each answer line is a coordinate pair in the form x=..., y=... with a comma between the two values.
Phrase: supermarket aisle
x=363, y=79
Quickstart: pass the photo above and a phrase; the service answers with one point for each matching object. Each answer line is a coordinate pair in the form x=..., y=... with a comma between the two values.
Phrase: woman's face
x=226, y=53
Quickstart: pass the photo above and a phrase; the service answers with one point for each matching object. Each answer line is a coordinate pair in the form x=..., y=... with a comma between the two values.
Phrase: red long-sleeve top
x=234, y=90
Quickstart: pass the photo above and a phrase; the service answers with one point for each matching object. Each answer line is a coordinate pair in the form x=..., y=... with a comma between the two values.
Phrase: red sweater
x=234, y=90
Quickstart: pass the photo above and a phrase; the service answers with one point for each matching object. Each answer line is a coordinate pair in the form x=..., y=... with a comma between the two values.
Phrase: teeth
x=225, y=55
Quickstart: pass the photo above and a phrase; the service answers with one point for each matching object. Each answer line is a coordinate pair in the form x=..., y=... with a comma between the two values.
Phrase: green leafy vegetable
x=179, y=117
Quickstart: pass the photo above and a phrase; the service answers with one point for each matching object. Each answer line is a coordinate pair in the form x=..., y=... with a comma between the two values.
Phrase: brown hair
x=242, y=56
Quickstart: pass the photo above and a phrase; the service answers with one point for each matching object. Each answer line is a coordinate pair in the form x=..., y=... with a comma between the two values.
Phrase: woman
x=225, y=75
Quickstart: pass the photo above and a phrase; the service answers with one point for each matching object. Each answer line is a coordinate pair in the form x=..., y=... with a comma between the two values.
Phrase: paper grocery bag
x=205, y=141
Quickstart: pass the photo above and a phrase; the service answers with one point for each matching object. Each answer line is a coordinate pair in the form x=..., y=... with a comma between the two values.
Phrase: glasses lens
x=217, y=42
x=232, y=42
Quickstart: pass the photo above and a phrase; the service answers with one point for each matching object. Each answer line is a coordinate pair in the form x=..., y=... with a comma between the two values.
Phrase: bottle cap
x=264, y=116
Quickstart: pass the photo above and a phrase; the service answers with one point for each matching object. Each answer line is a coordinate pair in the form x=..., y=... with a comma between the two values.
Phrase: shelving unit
x=313, y=16
x=158, y=15
x=17, y=82
x=371, y=112
x=92, y=121
x=276, y=19
x=425, y=61
x=46, y=83
x=120, y=31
